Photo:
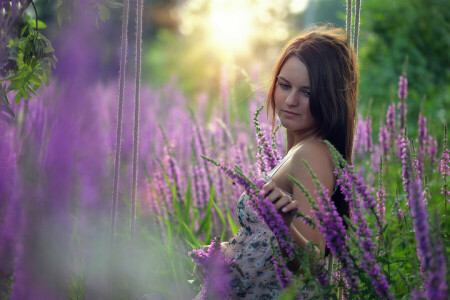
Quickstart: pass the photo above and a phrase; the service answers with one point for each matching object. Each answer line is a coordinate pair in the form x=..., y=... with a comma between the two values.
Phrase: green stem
x=35, y=12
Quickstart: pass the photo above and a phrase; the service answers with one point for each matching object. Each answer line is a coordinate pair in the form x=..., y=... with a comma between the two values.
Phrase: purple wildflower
x=417, y=294
x=436, y=285
x=360, y=137
x=384, y=139
x=406, y=173
x=369, y=143
x=265, y=210
x=368, y=261
x=380, y=202
x=266, y=156
x=402, y=88
x=402, y=94
x=422, y=144
x=420, y=223
x=332, y=227
x=390, y=120
x=444, y=168
x=174, y=174
x=216, y=283
x=321, y=271
x=402, y=115
x=283, y=274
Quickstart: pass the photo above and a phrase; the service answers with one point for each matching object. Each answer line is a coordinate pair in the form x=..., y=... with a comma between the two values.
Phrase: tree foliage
x=393, y=31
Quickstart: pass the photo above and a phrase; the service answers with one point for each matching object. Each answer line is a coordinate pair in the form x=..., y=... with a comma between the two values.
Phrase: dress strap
x=274, y=170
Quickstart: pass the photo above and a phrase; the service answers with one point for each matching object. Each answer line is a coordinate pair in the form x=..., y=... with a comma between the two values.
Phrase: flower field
x=56, y=180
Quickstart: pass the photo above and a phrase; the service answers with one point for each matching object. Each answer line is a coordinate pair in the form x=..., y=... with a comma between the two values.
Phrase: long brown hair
x=333, y=74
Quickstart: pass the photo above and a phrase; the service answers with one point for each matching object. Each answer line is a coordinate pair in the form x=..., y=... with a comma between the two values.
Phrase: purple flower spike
x=390, y=119
x=368, y=261
x=436, y=286
x=284, y=275
x=406, y=173
x=420, y=223
x=444, y=168
x=332, y=227
x=402, y=87
x=384, y=139
x=216, y=283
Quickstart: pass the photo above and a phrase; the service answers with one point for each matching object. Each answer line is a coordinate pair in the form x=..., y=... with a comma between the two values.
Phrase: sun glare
x=230, y=25
x=233, y=27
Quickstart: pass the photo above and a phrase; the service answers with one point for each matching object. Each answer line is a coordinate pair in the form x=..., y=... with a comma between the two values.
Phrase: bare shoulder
x=318, y=156
x=314, y=152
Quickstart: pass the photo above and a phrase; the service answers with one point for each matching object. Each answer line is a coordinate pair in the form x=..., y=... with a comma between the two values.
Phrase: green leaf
x=41, y=24
x=103, y=12
x=187, y=203
x=194, y=241
x=224, y=224
x=17, y=99
x=35, y=80
x=113, y=4
x=234, y=228
x=59, y=18
x=205, y=225
x=30, y=89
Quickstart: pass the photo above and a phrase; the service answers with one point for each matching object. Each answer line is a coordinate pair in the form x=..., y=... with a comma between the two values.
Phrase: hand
x=199, y=270
x=282, y=201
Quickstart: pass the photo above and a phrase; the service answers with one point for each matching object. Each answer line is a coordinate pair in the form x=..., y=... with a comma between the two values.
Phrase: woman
x=314, y=94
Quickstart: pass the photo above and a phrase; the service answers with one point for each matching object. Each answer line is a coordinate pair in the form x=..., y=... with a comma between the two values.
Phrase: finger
x=268, y=187
x=274, y=196
x=290, y=207
x=283, y=201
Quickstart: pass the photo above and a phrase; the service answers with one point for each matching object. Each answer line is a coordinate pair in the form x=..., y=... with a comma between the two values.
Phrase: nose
x=291, y=99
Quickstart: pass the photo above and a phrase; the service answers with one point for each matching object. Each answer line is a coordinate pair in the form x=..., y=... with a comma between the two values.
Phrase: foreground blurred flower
x=332, y=227
x=216, y=266
x=444, y=168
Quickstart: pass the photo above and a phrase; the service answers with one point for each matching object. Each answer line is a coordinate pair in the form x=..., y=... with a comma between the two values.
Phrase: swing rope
x=356, y=29
x=348, y=24
x=136, y=115
x=123, y=63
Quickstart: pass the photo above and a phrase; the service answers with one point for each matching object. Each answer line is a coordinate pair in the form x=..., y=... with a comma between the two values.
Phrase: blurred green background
x=199, y=43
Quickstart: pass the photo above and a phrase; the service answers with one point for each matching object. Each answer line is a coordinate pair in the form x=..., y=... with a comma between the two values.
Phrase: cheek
x=278, y=97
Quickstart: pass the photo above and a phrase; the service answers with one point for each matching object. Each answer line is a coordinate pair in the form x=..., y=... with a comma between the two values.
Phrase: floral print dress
x=253, y=275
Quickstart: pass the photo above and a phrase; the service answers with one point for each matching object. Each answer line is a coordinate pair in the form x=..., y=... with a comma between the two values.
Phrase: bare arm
x=319, y=159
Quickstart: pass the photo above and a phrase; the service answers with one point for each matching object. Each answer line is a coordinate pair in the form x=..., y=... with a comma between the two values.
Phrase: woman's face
x=291, y=96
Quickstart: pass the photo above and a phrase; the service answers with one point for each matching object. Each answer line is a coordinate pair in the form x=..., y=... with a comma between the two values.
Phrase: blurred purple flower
x=444, y=168
x=347, y=181
x=384, y=140
x=437, y=285
x=402, y=88
x=390, y=120
x=283, y=274
x=332, y=227
x=406, y=172
x=420, y=223
x=217, y=278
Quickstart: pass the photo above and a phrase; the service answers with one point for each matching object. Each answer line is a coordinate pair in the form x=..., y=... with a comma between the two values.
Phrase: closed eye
x=307, y=93
x=284, y=86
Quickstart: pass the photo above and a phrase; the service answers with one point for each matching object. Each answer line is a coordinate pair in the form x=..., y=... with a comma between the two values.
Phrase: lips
x=290, y=113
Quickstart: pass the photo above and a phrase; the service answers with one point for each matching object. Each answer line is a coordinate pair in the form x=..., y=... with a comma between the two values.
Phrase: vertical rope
x=348, y=22
x=123, y=62
x=136, y=115
x=356, y=29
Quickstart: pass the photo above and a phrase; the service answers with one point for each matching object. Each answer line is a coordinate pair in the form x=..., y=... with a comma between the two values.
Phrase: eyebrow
x=282, y=78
